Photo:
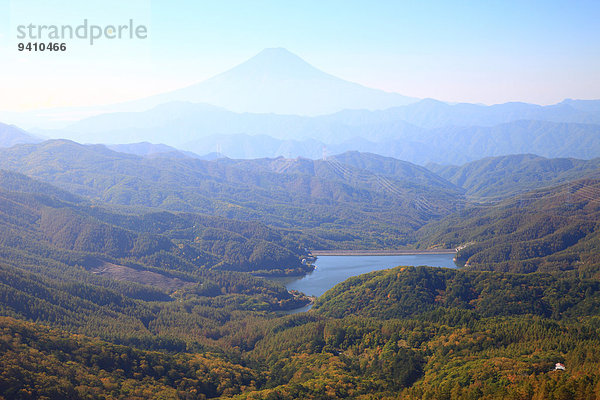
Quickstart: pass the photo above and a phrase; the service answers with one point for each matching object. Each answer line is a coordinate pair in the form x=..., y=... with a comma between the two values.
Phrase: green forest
x=124, y=277
x=461, y=335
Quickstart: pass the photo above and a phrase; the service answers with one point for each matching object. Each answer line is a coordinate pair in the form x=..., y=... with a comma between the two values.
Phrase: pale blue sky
x=475, y=51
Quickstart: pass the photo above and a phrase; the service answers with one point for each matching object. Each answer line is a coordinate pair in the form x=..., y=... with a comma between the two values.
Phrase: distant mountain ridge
x=430, y=113
x=202, y=119
x=444, y=134
x=276, y=104
x=151, y=149
x=10, y=135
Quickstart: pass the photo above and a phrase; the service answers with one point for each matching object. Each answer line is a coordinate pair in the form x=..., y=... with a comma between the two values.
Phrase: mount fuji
x=279, y=82
x=275, y=81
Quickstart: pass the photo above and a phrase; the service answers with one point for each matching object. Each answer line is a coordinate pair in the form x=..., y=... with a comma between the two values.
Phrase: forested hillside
x=409, y=292
x=38, y=362
x=63, y=221
x=138, y=298
x=342, y=206
x=70, y=263
x=550, y=229
x=479, y=335
x=403, y=333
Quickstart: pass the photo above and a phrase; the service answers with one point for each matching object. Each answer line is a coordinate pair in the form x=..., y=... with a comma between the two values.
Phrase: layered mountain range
x=276, y=104
x=517, y=209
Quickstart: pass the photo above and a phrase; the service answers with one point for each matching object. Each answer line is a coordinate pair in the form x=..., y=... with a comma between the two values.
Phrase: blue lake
x=332, y=270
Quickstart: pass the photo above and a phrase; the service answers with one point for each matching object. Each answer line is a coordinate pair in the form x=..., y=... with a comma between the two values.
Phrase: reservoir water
x=332, y=270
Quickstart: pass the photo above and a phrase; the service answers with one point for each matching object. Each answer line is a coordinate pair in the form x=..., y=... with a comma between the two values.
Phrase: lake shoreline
x=331, y=270
x=318, y=253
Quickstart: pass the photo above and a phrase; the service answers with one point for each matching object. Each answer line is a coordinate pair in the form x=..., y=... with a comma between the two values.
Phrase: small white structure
x=559, y=367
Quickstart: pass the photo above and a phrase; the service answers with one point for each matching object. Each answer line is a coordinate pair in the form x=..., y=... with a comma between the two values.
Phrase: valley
x=178, y=265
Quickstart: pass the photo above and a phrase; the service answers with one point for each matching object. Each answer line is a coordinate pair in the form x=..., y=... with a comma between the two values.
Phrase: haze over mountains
x=400, y=132
x=277, y=81
x=273, y=81
x=11, y=135
x=276, y=104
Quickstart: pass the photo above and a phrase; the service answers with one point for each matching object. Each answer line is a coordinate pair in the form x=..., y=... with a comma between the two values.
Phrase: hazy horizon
x=485, y=53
